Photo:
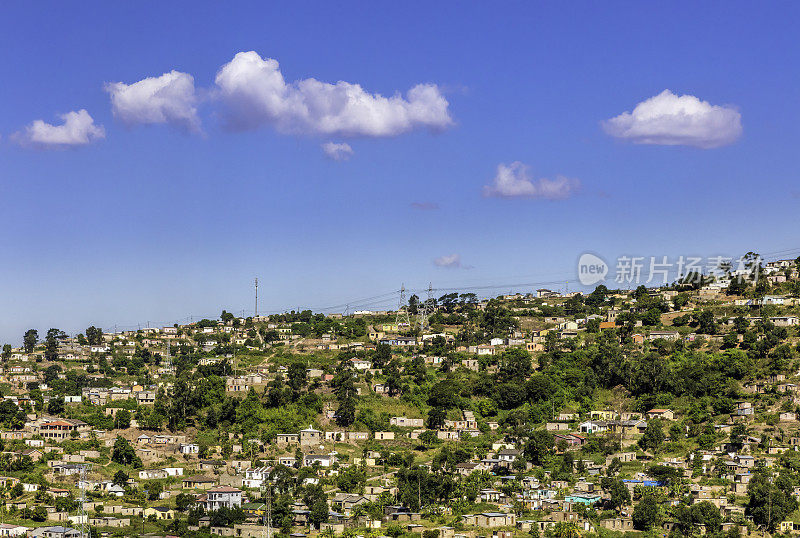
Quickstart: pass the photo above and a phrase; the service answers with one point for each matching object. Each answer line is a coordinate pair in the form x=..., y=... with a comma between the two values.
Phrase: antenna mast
x=256, y=310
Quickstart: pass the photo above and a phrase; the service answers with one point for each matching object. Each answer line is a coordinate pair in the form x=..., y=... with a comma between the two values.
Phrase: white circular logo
x=591, y=269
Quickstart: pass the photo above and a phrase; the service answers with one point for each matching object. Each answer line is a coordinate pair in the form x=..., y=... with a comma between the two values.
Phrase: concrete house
x=403, y=422
x=198, y=482
x=286, y=439
x=665, y=414
x=310, y=437
x=593, y=426
x=222, y=496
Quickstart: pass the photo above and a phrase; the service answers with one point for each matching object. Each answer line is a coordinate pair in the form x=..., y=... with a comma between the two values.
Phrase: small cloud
x=169, y=99
x=337, y=152
x=671, y=120
x=77, y=130
x=451, y=261
x=425, y=206
x=256, y=94
x=515, y=181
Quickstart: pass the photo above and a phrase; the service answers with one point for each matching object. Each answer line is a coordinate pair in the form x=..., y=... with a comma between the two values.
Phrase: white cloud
x=169, y=98
x=670, y=120
x=337, y=152
x=514, y=181
x=450, y=261
x=425, y=206
x=256, y=94
x=78, y=129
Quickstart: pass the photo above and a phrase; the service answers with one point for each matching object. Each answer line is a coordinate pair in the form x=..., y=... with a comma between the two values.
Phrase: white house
x=254, y=478
x=593, y=426
x=324, y=460
x=173, y=471
x=189, y=448
x=7, y=529
x=216, y=498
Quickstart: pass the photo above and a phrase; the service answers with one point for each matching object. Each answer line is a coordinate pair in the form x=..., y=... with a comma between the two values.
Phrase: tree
x=55, y=406
x=444, y=394
x=30, y=340
x=539, y=447
x=124, y=454
x=706, y=323
x=413, y=305
x=39, y=514
x=393, y=379
x=122, y=420
x=6, y=352
x=345, y=390
x=11, y=416
x=436, y=417
x=653, y=436
x=51, y=342
x=184, y=501
x=705, y=513
x=738, y=434
x=120, y=478
x=94, y=336
x=429, y=438
x=318, y=514
x=617, y=490
x=382, y=355
x=770, y=499
x=652, y=317
x=315, y=497
x=154, y=490
x=352, y=479
x=298, y=375
x=614, y=467
x=646, y=514
x=515, y=365
x=737, y=286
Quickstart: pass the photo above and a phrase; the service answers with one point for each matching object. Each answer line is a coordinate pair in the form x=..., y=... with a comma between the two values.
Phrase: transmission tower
x=402, y=310
x=266, y=527
x=168, y=359
x=427, y=309
x=83, y=517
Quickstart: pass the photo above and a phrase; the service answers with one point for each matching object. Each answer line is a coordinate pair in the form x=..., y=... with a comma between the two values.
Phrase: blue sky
x=135, y=217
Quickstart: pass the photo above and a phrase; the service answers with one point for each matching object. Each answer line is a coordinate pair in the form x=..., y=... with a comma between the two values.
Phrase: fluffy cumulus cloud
x=337, y=151
x=78, y=129
x=170, y=99
x=450, y=261
x=515, y=181
x=255, y=93
x=672, y=120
